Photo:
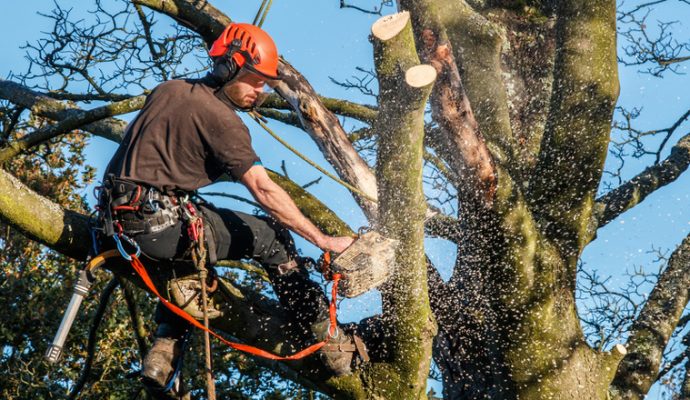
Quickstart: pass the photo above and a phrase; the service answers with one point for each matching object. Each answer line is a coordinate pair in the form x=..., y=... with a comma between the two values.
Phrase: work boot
x=343, y=351
x=159, y=367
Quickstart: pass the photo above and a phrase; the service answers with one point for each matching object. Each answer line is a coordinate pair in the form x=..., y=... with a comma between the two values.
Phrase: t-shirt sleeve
x=230, y=145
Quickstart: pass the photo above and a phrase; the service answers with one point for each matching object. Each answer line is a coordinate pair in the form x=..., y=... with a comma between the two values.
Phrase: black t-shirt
x=184, y=138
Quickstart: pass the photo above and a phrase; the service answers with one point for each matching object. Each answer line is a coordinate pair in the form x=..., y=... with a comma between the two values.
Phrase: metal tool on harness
x=81, y=289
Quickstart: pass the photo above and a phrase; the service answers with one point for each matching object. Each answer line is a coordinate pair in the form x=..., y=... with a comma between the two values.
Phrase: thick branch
x=44, y=106
x=73, y=121
x=635, y=191
x=289, y=118
x=317, y=212
x=345, y=108
x=476, y=45
x=652, y=329
x=404, y=89
x=42, y=220
x=328, y=134
x=465, y=149
x=576, y=138
x=88, y=97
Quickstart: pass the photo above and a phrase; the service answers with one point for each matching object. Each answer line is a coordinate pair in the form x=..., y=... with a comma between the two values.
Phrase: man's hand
x=336, y=244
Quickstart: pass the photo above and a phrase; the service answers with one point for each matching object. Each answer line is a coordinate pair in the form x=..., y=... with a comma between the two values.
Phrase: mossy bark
x=653, y=328
x=400, y=129
x=41, y=105
x=574, y=147
x=42, y=220
x=477, y=46
x=633, y=192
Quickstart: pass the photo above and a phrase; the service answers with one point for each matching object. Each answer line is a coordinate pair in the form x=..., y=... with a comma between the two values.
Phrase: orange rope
x=141, y=270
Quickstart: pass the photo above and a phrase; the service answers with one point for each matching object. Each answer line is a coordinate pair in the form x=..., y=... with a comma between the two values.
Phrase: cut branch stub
x=420, y=76
x=388, y=27
x=325, y=129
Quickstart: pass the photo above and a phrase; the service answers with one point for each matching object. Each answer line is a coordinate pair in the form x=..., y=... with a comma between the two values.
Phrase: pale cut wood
x=420, y=75
x=387, y=27
x=619, y=349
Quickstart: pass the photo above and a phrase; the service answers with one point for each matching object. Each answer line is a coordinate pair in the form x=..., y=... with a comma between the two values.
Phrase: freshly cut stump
x=420, y=76
x=389, y=26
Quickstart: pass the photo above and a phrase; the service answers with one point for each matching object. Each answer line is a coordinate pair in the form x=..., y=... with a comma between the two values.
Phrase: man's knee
x=275, y=246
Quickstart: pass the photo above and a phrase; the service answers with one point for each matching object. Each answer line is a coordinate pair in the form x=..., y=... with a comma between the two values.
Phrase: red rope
x=141, y=270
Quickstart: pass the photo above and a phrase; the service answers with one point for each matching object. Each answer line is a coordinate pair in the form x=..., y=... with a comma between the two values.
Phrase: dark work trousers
x=239, y=236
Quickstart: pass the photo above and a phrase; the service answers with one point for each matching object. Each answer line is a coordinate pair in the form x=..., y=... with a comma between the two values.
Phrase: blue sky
x=321, y=41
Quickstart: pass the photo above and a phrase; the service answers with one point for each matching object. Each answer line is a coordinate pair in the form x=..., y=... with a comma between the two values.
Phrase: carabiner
x=121, y=249
x=151, y=202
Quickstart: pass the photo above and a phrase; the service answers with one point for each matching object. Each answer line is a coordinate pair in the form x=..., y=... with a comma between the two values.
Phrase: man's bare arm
x=281, y=207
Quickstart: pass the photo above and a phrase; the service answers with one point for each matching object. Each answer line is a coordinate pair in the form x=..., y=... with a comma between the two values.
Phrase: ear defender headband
x=226, y=67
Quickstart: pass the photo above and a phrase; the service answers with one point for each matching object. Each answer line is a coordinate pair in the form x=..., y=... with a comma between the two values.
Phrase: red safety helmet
x=257, y=51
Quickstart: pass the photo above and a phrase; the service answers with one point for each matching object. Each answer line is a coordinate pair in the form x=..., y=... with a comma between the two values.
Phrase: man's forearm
x=279, y=204
x=281, y=207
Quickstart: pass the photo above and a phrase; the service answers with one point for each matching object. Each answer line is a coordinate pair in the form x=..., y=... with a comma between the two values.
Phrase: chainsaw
x=365, y=265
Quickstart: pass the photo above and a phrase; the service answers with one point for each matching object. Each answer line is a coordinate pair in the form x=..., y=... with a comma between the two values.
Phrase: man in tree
x=187, y=135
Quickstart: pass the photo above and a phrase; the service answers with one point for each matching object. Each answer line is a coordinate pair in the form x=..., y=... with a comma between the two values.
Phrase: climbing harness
x=196, y=232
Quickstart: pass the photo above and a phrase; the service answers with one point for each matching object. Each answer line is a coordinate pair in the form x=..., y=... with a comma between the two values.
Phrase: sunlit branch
x=633, y=192
x=654, y=326
x=68, y=124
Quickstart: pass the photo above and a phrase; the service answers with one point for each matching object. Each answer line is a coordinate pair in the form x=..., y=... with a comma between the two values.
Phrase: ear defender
x=226, y=67
x=245, y=46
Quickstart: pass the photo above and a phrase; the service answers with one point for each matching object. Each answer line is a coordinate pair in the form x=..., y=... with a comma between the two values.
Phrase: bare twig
x=68, y=124
x=376, y=10
x=139, y=329
x=362, y=83
x=660, y=51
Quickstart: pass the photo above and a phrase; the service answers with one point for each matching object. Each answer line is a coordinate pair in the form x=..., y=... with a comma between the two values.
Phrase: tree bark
x=460, y=141
x=44, y=106
x=404, y=89
x=636, y=190
x=575, y=143
x=652, y=329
